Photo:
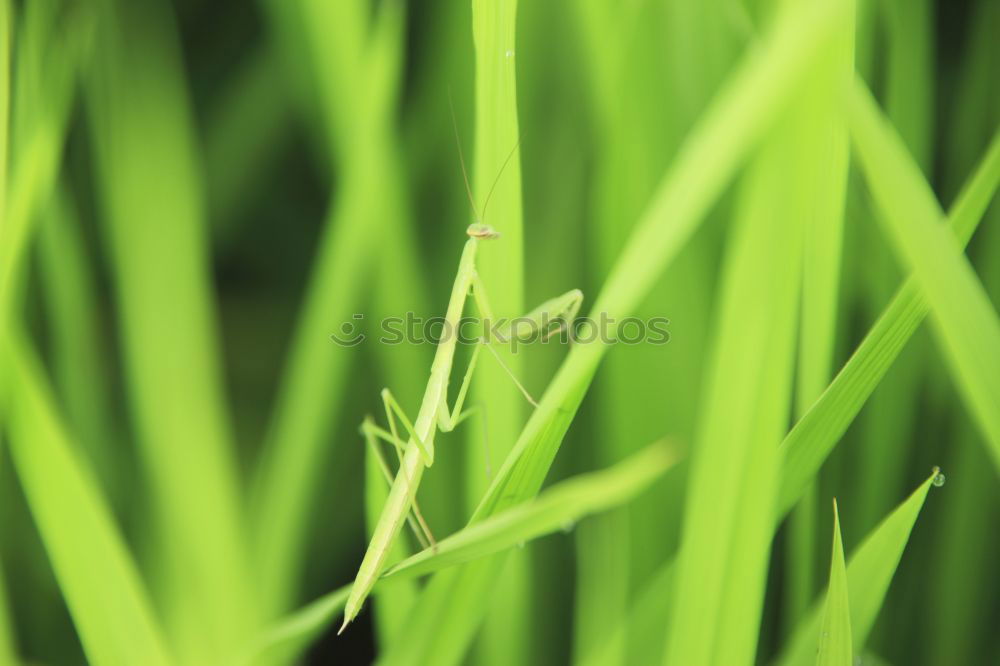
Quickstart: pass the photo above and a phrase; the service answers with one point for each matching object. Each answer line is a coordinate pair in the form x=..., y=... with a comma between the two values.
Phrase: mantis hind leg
x=392, y=410
x=372, y=433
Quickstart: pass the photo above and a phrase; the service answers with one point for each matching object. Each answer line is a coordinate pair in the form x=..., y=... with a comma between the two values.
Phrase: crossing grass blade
x=869, y=571
x=816, y=434
x=557, y=508
x=95, y=571
x=966, y=323
x=451, y=606
x=835, y=630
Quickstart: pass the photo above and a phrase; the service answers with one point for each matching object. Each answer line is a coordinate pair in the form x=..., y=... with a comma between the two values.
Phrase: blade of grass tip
x=95, y=571
x=148, y=170
x=835, y=630
x=450, y=607
x=506, y=634
x=966, y=324
x=823, y=152
x=560, y=506
x=813, y=437
x=725, y=541
x=392, y=602
x=71, y=306
x=869, y=571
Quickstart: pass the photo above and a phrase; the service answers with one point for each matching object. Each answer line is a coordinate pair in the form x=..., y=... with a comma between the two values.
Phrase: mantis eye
x=482, y=231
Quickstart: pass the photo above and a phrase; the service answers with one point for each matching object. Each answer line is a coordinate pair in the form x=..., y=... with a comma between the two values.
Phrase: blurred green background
x=197, y=194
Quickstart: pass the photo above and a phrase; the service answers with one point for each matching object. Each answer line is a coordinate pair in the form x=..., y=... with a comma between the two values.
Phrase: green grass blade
x=818, y=431
x=823, y=157
x=747, y=104
x=722, y=564
x=148, y=170
x=8, y=649
x=966, y=324
x=835, y=630
x=869, y=571
x=563, y=504
x=96, y=574
x=506, y=634
x=70, y=297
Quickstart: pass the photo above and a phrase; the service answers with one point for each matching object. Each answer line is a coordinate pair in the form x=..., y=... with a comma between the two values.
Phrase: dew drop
x=938, y=480
x=509, y=53
x=568, y=526
x=520, y=544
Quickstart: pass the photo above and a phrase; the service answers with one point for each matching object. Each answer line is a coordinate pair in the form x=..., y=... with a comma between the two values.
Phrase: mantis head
x=482, y=231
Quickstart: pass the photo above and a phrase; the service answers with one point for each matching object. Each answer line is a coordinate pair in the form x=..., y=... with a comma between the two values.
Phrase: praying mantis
x=417, y=452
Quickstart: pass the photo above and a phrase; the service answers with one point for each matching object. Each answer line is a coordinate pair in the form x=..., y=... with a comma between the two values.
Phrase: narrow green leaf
x=967, y=326
x=869, y=571
x=505, y=637
x=821, y=180
x=70, y=299
x=722, y=563
x=95, y=571
x=812, y=439
x=835, y=630
x=556, y=508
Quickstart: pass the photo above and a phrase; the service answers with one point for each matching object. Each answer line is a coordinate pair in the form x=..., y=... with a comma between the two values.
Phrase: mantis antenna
x=465, y=173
